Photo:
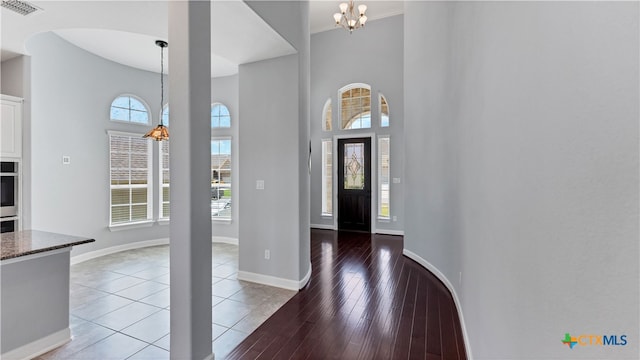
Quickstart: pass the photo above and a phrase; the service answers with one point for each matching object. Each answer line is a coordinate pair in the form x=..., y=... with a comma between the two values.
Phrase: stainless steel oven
x=8, y=224
x=8, y=189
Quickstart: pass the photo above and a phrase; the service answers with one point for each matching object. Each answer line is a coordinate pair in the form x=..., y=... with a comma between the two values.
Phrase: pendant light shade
x=160, y=132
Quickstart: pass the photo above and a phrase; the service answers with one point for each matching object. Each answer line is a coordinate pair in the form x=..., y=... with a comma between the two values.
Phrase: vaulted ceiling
x=125, y=31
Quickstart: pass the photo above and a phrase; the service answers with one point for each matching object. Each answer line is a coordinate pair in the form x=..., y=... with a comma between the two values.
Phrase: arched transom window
x=326, y=116
x=130, y=109
x=165, y=115
x=384, y=111
x=355, y=106
x=220, y=117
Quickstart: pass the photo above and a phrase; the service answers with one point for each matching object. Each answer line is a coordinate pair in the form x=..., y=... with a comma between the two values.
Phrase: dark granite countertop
x=27, y=242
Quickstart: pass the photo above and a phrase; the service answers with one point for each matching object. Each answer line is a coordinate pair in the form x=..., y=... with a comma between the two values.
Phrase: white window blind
x=327, y=177
x=130, y=175
x=164, y=179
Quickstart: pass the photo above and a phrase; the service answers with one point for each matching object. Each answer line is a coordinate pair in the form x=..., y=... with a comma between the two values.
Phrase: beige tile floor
x=119, y=305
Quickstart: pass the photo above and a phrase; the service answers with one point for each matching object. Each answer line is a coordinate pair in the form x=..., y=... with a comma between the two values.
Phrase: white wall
x=429, y=153
x=268, y=152
x=529, y=120
x=291, y=20
x=72, y=91
x=373, y=56
x=12, y=76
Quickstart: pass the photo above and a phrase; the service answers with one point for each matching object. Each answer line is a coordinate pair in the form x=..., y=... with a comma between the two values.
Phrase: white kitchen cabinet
x=11, y=127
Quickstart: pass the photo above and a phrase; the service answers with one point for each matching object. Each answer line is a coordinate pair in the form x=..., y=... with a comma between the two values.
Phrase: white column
x=190, y=101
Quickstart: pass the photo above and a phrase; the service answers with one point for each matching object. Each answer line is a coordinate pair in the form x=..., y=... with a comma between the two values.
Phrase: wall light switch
x=260, y=184
x=66, y=160
x=396, y=180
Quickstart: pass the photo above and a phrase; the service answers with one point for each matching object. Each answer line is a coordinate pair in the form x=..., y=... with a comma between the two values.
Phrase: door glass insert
x=354, y=166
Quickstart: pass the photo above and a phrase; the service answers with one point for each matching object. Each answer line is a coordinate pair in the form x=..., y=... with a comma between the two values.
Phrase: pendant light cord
x=161, y=85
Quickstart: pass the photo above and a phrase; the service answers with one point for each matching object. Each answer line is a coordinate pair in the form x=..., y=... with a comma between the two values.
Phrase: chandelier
x=160, y=132
x=347, y=17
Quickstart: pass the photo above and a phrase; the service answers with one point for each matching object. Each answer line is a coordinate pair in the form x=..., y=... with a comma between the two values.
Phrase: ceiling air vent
x=21, y=7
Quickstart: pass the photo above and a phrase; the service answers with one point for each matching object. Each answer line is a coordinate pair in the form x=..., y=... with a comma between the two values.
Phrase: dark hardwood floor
x=365, y=300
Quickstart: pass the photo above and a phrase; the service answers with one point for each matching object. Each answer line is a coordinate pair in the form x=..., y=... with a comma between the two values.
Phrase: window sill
x=327, y=216
x=384, y=219
x=163, y=222
x=129, y=226
x=220, y=220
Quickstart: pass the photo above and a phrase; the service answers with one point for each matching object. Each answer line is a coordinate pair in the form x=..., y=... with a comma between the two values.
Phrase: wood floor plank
x=459, y=333
x=418, y=347
x=381, y=335
x=449, y=347
x=364, y=300
x=434, y=345
x=402, y=342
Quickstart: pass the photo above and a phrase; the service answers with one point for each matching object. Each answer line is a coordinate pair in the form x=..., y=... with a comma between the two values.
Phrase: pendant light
x=160, y=132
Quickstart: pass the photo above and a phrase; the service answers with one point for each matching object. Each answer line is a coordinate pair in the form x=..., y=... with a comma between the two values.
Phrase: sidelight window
x=327, y=177
x=383, y=177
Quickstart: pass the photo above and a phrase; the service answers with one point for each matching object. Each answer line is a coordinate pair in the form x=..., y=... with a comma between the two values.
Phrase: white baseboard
x=39, y=347
x=275, y=281
x=138, y=245
x=305, y=279
x=224, y=240
x=114, y=249
x=322, y=226
x=427, y=265
x=390, y=232
x=269, y=280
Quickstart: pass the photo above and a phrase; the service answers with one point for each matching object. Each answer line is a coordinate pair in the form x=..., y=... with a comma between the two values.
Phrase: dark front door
x=354, y=184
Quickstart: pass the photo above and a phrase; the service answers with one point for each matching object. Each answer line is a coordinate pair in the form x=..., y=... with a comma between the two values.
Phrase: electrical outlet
x=267, y=254
x=260, y=184
x=66, y=160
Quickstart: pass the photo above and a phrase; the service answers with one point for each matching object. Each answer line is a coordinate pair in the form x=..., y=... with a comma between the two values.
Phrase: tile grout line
x=95, y=284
